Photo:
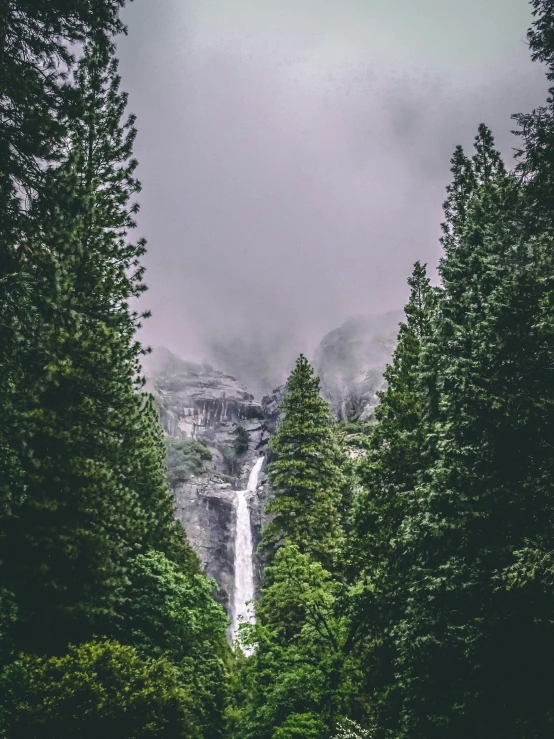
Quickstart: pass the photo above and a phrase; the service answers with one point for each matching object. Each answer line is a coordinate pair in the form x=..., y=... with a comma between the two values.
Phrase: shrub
x=99, y=689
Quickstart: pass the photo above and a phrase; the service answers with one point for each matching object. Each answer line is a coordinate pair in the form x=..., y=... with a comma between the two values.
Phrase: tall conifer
x=389, y=473
x=477, y=499
x=95, y=493
x=306, y=473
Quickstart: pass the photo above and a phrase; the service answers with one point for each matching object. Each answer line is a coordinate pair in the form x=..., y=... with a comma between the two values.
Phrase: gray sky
x=294, y=153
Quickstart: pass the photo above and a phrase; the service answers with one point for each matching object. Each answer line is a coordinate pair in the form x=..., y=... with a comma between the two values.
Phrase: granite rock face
x=350, y=362
x=201, y=403
x=206, y=508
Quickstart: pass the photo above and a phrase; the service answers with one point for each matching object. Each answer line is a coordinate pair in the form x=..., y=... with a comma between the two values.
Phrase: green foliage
x=445, y=529
x=36, y=41
x=300, y=726
x=89, y=545
x=469, y=511
x=91, y=470
x=410, y=592
x=301, y=675
x=242, y=439
x=184, y=459
x=435, y=620
x=306, y=472
x=170, y=613
x=375, y=555
x=97, y=689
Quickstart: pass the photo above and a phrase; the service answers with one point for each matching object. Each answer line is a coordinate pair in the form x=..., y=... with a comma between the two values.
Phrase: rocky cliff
x=201, y=404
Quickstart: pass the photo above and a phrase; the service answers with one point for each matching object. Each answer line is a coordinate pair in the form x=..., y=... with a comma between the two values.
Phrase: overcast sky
x=294, y=153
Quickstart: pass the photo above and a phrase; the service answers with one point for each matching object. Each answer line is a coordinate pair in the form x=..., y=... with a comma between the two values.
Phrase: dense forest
x=408, y=590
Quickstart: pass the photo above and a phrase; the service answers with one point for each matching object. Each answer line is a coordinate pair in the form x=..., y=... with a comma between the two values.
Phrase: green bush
x=184, y=458
x=99, y=689
x=242, y=439
x=300, y=726
x=173, y=614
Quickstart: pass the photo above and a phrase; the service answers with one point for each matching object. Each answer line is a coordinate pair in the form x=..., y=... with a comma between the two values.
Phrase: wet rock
x=199, y=402
x=206, y=508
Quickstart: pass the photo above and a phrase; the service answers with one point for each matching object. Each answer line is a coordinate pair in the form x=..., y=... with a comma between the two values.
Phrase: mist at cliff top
x=294, y=156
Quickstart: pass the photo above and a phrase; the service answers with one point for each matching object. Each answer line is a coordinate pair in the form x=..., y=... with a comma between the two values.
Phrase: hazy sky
x=294, y=153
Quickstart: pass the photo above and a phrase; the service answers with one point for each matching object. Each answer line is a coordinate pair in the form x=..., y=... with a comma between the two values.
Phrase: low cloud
x=281, y=197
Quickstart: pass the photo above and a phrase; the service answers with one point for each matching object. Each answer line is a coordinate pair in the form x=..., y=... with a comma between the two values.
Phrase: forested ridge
x=408, y=590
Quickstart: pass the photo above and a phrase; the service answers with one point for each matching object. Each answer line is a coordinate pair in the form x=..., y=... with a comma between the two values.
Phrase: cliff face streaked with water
x=199, y=402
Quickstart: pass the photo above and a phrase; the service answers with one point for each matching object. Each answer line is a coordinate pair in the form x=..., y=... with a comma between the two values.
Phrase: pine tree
x=466, y=637
x=170, y=612
x=36, y=42
x=295, y=685
x=306, y=472
x=389, y=473
x=299, y=681
x=86, y=516
x=36, y=39
x=96, y=689
x=95, y=493
x=536, y=129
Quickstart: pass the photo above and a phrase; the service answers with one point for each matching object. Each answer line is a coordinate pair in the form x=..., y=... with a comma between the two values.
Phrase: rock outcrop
x=350, y=362
x=199, y=402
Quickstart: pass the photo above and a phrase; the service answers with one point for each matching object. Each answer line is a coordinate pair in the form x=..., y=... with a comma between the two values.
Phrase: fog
x=294, y=156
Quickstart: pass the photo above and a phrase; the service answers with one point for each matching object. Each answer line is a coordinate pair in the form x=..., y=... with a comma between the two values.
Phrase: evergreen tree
x=307, y=471
x=482, y=497
x=94, y=524
x=296, y=684
x=97, y=689
x=36, y=39
x=302, y=677
x=389, y=472
x=454, y=546
x=95, y=492
x=536, y=129
x=171, y=613
x=89, y=545
x=36, y=55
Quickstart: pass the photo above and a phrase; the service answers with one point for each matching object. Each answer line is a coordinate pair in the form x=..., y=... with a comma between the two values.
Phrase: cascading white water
x=244, y=571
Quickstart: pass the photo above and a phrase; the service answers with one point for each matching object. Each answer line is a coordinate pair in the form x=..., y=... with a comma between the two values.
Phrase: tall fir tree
x=306, y=472
x=36, y=42
x=95, y=493
x=536, y=128
x=86, y=517
x=37, y=39
x=295, y=683
x=478, y=499
x=389, y=473
x=302, y=676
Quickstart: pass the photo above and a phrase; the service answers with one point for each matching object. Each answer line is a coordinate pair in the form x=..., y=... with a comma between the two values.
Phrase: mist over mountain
x=291, y=180
x=349, y=360
x=260, y=360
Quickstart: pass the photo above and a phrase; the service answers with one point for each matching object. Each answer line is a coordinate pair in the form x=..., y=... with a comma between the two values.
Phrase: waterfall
x=244, y=571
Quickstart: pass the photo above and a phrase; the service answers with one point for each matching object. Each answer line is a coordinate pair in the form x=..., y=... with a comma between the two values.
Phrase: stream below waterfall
x=244, y=569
